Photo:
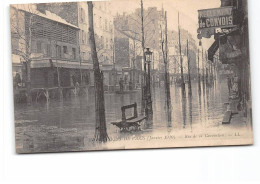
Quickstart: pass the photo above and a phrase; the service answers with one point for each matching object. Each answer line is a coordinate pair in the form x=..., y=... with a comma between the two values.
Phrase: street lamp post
x=133, y=73
x=149, y=107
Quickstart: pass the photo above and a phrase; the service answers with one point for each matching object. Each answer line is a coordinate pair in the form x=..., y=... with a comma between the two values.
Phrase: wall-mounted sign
x=215, y=21
x=225, y=30
x=216, y=18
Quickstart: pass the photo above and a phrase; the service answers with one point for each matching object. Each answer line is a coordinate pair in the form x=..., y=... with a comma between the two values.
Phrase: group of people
x=233, y=84
x=122, y=83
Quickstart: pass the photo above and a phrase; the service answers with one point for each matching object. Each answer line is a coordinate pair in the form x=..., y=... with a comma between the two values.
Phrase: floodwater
x=70, y=125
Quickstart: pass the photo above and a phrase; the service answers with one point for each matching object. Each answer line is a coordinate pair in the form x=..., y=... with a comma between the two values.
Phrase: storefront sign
x=216, y=18
x=225, y=30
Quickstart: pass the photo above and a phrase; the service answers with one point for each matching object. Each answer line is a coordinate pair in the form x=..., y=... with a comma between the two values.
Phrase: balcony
x=59, y=62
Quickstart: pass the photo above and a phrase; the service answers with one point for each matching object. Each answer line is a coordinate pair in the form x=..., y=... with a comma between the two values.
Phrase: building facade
x=48, y=41
x=76, y=13
x=233, y=50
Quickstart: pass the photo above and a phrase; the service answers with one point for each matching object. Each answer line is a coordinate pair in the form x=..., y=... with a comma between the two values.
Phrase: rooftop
x=31, y=8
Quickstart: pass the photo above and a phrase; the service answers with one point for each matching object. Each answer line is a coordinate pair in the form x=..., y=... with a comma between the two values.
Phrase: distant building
x=104, y=30
x=128, y=41
x=76, y=13
x=127, y=62
x=174, y=53
x=130, y=25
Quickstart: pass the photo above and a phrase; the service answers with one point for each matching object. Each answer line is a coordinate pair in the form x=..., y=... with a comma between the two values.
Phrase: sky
x=188, y=10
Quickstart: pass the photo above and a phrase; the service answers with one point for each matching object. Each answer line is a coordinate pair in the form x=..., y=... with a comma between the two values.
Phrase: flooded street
x=52, y=126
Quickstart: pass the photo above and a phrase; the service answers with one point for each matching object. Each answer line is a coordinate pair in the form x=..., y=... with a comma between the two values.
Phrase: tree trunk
x=207, y=71
x=28, y=82
x=101, y=130
x=203, y=71
x=167, y=77
x=181, y=60
x=199, y=85
x=189, y=79
x=28, y=63
x=144, y=95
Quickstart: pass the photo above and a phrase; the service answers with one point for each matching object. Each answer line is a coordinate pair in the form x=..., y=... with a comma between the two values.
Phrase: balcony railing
x=59, y=62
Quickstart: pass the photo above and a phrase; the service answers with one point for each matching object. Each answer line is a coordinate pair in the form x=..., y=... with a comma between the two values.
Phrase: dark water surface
x=43, y=126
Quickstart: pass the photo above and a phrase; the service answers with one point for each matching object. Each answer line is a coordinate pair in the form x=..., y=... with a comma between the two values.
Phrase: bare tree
x=22, y=25
x=189, y=69
x=198, y=72
x=144, y=92
x=136, y=23
x=164, y=43
x=181, y=59
x=101, y=130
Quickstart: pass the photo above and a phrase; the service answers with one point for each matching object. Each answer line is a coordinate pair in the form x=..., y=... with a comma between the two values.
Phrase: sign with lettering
x=216, y=18
x=225, y=30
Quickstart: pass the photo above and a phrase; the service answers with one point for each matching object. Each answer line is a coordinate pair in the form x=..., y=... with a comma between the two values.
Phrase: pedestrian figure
x=17, y=80
x=77, y=88
x=236, y=85
x=130, y=86
x=121, y=85
x=229, y=82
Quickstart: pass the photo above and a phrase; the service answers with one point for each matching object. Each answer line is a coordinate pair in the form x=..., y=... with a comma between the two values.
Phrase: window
x=106, y=24
x=58, y=51
x=83, y=56
x=48, y=50
x=83, y=36
x=110, y=27
x=73, y=53
x=102, y=41
x=82, y=15
x=15, y=44
x=86, y=38
x=100, y=22
x=106, y=43
x=65, y=49
x=38, y=46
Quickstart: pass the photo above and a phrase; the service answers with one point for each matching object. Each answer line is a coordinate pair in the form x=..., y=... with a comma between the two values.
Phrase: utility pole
x=101, y=130
x=166, y=70
x=114, y=67
x=203, y=76
x=199, y=85
x=181, y=59
x=134, y=60
x=80, y=69
x=189, y=79
x=206, y=67
x=58, y=74
x=166, y=64
x=154, y=73
x=144, y=95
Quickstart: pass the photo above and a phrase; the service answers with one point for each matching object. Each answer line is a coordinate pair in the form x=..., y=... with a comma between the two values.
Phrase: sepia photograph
x=130, y=74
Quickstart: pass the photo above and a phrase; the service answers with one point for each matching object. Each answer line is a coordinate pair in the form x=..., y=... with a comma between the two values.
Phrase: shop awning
x=212, y=50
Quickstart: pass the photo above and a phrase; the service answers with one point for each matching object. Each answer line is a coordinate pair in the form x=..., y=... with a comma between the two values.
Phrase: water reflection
x=190, y=110
x=184, y=111
x=203, y=109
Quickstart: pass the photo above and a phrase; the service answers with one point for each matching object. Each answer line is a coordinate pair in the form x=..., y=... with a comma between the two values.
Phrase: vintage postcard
x=130, y=74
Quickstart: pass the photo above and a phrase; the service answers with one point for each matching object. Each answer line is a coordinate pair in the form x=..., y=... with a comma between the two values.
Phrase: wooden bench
x=133, y=122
